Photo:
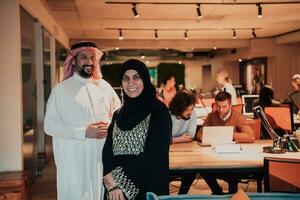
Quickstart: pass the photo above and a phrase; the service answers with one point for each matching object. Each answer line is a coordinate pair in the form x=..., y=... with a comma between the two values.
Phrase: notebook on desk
x=217, y=135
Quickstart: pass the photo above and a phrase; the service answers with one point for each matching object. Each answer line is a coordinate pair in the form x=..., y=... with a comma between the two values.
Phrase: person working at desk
x=184, y=124
x=226, y=116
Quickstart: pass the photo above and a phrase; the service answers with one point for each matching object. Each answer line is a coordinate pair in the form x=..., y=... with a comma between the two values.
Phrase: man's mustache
x=87, y=65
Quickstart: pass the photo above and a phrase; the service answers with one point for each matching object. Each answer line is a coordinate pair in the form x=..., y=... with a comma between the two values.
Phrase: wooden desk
x=191, y=157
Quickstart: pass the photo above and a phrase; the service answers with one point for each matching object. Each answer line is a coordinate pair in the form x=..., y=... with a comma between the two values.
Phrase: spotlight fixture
x=234, y=34
x=120, y=34
x=133, y=8
x=199, y=10
x=253, y=33
x=155, y=34
x=186, y=35
x=259, y=10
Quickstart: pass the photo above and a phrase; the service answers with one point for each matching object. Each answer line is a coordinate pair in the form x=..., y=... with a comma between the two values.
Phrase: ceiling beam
x=173, y=44
x=203, y=2
x=288, y=38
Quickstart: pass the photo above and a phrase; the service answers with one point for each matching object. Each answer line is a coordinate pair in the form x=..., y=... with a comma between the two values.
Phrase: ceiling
x=101, y=20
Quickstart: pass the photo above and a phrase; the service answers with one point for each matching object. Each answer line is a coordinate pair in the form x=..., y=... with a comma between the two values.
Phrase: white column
x=11, y=123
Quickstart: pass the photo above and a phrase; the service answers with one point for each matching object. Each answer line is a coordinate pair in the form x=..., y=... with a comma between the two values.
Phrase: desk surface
x=191, y=156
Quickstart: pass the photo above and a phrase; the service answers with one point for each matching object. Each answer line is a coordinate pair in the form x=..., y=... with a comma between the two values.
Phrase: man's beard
x=86, y=71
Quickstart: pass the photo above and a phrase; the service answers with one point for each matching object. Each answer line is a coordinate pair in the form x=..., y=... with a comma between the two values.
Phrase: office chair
x=281, y=174
x=280, y=117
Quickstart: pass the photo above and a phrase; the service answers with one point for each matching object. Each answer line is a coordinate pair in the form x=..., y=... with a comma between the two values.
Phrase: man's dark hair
x=222, y=96
x=181, y=102
x=166, y=78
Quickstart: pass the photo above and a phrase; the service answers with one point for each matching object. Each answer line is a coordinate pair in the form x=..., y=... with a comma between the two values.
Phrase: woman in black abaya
x=135, y=154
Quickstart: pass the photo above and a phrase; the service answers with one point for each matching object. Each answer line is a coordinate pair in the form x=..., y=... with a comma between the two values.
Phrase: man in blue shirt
x=184, y=124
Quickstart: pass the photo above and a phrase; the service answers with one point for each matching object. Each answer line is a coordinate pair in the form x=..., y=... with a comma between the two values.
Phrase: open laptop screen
x=295, y=98
x=247, y=101
x=217, y=135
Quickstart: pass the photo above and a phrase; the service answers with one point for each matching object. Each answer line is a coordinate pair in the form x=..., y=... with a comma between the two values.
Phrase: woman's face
x=132, y=83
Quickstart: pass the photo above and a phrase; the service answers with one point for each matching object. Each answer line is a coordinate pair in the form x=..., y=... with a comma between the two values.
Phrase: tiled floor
x=44, y=187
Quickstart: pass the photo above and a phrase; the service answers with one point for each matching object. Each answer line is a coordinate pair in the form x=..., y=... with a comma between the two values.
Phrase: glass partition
x=29, y=92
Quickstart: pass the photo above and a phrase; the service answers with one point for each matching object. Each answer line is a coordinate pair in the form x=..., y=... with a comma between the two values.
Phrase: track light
x=199, y=10
x=133, y=8
x=186, y=35
x=155, y=34
x=120, y=34
x=234, y=34
x=259, y=10
x=253, y=33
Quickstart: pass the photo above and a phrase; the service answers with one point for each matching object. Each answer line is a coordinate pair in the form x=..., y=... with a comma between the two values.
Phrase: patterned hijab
x=136, y=109
x=69, y=65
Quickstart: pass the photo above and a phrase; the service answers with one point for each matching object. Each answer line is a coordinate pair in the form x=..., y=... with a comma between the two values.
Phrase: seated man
x=226, y=116
x=184, y=122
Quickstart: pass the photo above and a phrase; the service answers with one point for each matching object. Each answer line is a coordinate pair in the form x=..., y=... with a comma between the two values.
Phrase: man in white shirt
x=78, y=113
x=184, y=124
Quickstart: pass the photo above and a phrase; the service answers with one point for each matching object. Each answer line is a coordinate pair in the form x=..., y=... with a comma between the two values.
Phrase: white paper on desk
x=228, y=148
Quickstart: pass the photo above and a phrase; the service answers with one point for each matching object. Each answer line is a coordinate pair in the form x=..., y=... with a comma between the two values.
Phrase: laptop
x=247, y=101
x=295, y=98
x=217, y=135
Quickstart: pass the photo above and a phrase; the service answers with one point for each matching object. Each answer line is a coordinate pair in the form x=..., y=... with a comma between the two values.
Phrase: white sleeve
x=115, y=100
x=54, y=125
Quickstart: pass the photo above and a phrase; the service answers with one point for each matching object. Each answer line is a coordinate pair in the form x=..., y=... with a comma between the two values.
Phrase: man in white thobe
x=78, y=112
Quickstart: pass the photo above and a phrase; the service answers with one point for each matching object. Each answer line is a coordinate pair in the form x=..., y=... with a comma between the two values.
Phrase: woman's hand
x=109, y=182
x=116, y=194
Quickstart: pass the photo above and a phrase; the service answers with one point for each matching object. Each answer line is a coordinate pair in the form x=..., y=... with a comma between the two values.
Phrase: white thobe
x=72, y=106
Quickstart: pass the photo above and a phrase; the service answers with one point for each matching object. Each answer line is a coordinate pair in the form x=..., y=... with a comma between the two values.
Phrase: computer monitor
x=295, y=98
x=247, y=101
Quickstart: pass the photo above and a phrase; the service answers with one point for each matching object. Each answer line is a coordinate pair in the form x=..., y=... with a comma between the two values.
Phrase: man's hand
x=97, y=130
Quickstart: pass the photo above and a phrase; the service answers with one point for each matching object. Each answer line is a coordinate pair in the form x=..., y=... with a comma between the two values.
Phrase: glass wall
x=47, y=90
x=29, y=92
x=61, y=55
